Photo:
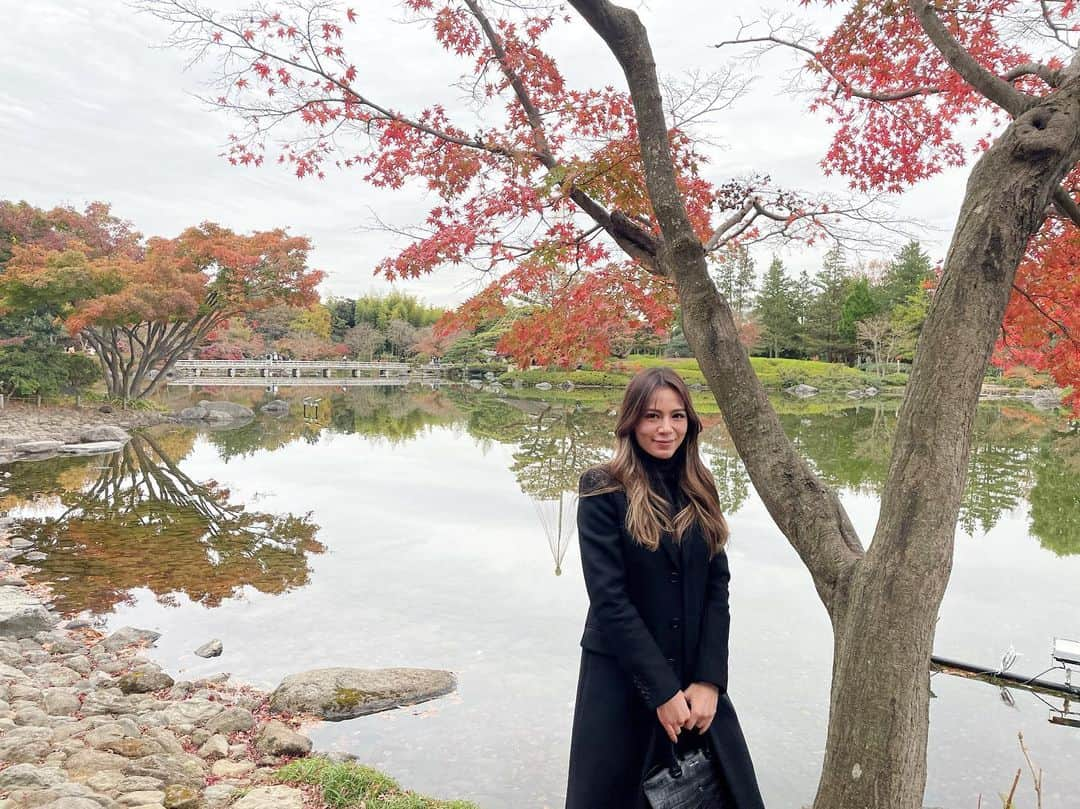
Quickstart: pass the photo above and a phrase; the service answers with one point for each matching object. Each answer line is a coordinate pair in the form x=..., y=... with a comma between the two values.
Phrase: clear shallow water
x=425, y=547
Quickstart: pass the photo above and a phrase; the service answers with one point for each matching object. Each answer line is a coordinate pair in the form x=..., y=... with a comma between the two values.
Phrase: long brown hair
x=647, y=514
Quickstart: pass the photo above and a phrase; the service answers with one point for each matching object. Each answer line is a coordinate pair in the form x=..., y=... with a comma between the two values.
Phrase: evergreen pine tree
x=775, y=310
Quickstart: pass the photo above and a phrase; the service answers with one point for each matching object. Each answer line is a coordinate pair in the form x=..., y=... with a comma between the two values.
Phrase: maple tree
x=591, y=207
x=142, y=307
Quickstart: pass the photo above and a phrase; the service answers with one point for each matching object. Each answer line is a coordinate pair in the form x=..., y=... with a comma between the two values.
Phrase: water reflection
x=436, y=505
x=135, y=519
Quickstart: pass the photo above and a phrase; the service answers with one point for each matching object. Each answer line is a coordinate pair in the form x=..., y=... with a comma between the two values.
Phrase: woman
x=655, y=646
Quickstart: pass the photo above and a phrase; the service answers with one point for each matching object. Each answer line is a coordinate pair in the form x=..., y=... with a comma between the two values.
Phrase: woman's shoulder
x=598, y=480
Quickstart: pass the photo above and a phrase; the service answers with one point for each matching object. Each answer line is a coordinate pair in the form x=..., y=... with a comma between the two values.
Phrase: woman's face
x=662, y=427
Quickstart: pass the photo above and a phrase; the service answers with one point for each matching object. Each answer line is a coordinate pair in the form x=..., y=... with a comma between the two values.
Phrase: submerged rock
x=192, y=414
x=217, y=410
x=802, y=391
x=342, y=693
x=275, y=406
x=212, y=648
x=129, y=635
x=103, y=432
x=92, y=448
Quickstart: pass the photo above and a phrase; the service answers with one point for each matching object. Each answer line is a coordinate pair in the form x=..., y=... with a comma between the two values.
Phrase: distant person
x=654, y=663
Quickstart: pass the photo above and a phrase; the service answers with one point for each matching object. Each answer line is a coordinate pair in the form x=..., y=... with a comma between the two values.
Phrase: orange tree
x=142, y=307
x=590, y=206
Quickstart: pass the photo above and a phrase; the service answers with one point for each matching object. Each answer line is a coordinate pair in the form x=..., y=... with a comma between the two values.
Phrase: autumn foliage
x=142, y=305
x=550, y=200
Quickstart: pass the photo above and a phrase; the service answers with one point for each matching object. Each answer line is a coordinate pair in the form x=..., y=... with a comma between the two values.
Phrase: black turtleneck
x=665, y=473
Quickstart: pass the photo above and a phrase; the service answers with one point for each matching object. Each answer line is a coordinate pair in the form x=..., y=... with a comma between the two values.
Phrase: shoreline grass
x=349, y=784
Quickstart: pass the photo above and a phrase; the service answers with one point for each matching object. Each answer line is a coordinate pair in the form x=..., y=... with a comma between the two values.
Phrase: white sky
x=91, y=107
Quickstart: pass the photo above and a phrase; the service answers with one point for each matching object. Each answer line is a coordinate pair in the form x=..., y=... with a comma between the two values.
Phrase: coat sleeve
x=599, y=533
x=712, y=660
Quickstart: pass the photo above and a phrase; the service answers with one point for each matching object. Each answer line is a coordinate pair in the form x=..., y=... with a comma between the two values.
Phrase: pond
x=409, y=527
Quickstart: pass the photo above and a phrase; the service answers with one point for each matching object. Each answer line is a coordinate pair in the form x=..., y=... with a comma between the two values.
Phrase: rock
x=103, y=432
x=141, y=798
x=218, y=795
x=277, y=406
x=139, y=783
x=35, y=556
x=180, y=797
x=38, y=447
x=566, y=385
x=78, y=623
x=543, y=386
x=229, y=409
x=21, y=615
x=55, y=675
x=110, y=732
x=30, y=775
x=192, y=414
x=11, y=673
x=127, y=636
x=276, y=797
x=217, y=746
x=342, y=693
x=107, y=781
x=132, y=748
x=21, y=543
x=167, y=739
x=106, y=409
x=862, y=393
x=192, y=711
x=144, y=680
x=802, y=391
x=60, y=702
x=74, y=802
x=183, y=769
x=92, y=448
x=86, y=763
x=110, y=701
x=231, y=720
x=31, y=716
x=223, y=768
x=278, y=739
x=12, y=581
x=212, y=648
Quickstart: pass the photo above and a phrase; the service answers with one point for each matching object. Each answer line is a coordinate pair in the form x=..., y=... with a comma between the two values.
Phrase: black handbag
x=689, y=782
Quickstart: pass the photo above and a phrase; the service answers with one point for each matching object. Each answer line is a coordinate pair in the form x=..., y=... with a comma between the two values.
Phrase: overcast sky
x=92, y=107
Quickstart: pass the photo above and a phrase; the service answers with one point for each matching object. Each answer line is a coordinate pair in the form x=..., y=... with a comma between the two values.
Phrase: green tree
x=342, y=316
x=858, y=305
x=775, y=310
x=906, y=275
x=735, y=277
x=826, y=308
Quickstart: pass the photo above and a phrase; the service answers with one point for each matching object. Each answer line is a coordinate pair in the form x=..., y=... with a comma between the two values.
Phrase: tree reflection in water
x=141, y=521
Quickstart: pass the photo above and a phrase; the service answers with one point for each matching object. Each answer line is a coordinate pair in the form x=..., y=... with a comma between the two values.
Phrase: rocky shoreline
x=88, y=721
x=50, y=429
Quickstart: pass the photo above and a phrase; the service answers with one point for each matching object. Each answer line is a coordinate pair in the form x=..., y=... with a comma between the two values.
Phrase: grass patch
x=773, y=373
x=353, y=785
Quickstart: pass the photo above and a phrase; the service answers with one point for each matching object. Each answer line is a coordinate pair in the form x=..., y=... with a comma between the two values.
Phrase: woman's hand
x=674, y=714
x=702, y=698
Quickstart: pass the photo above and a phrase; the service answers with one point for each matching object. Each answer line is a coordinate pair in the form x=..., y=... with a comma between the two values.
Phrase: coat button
x=674, y=578
x=671, y=661
x=675, y=623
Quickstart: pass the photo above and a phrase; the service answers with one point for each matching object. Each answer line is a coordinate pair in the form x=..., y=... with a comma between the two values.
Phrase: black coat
x=657, y=622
